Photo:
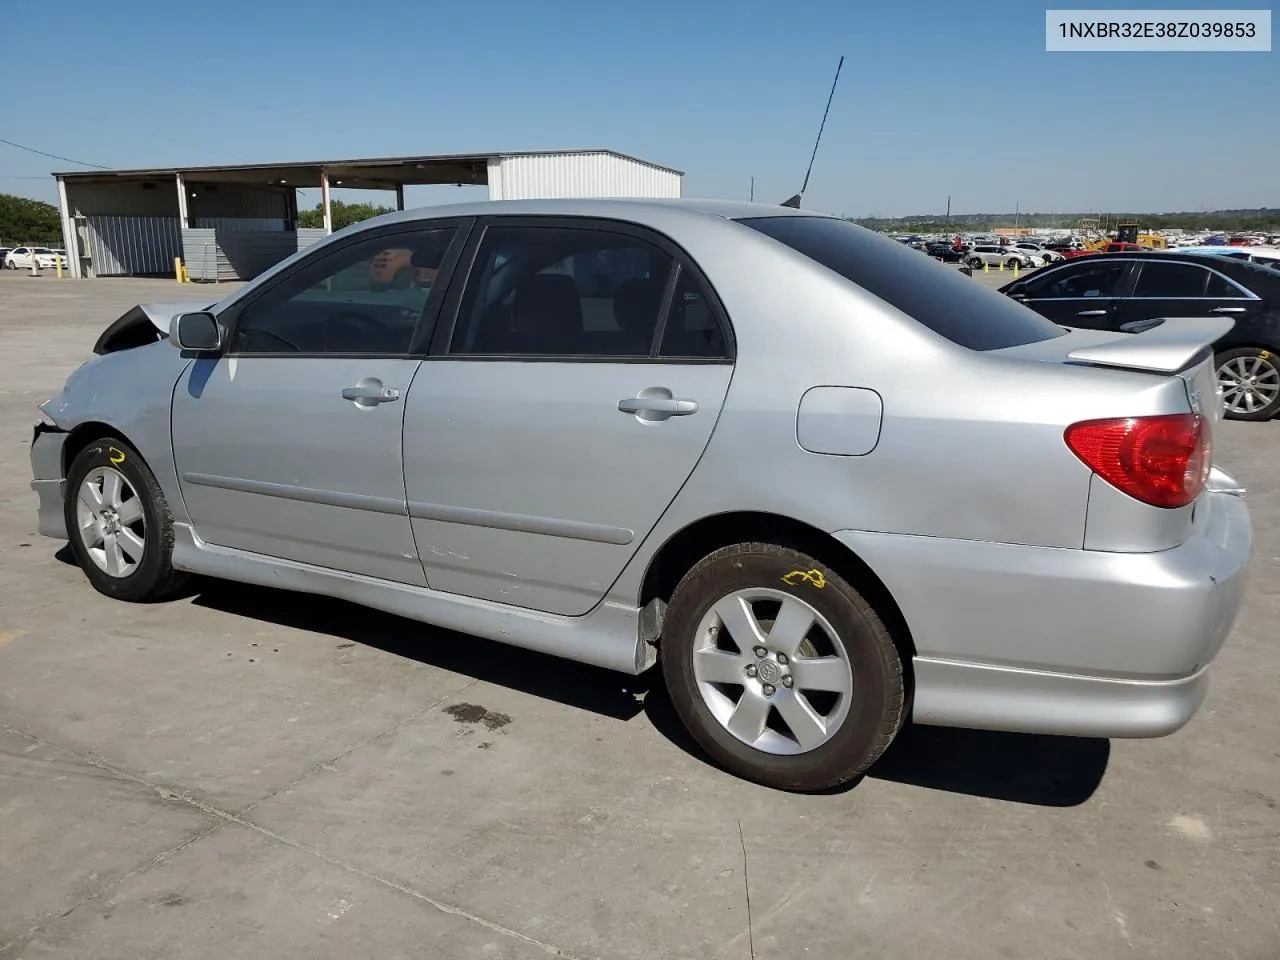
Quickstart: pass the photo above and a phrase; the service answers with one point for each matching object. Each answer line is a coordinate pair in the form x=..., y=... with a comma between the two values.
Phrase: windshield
x=944, y=300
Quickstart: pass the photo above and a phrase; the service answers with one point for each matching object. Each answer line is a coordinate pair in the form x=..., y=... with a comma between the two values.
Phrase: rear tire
x=809, y=719
x=119, y=523
x=975, y=263
x=1250, y=382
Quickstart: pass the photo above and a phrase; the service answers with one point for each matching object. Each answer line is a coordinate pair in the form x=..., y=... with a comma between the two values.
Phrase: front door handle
x=1092, y=313
x=1228, y=309
x=370, y=392
x=659, y=406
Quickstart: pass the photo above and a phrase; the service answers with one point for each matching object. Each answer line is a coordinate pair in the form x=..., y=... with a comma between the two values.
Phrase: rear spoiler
x=1167, y=345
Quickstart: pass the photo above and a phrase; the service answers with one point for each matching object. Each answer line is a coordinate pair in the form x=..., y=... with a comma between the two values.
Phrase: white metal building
x=233, y=222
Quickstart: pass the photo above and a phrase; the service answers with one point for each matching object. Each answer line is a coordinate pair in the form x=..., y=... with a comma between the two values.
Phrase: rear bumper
x=1063, y=641
x=48, y=482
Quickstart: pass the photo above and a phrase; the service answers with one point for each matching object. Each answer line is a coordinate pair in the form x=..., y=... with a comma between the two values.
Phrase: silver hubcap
x=111, y=523
x=1248, y=384
x=770, y=670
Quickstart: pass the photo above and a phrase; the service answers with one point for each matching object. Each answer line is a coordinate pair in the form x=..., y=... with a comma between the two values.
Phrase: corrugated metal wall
x=578, y=175
x=123, y=246
x=237, y=254
x=239, y=201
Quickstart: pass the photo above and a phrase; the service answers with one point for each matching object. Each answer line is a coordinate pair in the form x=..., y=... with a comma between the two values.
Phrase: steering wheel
x=254, y=334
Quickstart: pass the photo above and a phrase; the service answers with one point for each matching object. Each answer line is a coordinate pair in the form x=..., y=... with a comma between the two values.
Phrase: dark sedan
x=1125, y=292
x=945, y=252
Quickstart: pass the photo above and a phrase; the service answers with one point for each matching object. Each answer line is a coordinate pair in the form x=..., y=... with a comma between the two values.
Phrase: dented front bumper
x=47, y=479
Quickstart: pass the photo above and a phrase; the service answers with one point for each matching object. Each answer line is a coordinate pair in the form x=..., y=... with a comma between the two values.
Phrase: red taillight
x=1163, y=461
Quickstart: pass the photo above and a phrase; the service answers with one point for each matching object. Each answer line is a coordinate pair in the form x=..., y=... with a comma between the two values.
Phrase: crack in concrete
x=223, y=817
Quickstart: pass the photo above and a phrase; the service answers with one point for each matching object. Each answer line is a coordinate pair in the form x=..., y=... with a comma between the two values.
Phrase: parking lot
x=249, y=773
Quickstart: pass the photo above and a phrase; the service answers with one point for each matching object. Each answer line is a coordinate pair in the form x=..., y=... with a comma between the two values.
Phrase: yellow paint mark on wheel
x=797, y=577
x=116, y=454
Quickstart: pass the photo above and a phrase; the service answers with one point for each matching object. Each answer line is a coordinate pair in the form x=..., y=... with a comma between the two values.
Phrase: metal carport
x=235, y=221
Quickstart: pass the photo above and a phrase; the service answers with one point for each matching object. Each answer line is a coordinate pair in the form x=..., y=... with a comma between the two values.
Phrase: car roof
x=638, y=209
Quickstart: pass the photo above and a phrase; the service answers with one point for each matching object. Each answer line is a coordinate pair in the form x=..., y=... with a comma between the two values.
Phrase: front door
x=1078, y=295
x=548, y=433
x=288, y=444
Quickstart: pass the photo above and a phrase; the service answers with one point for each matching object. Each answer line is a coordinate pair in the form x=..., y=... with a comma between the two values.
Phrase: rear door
x=1164, y=288
x=1078, y=294
x=555, y=422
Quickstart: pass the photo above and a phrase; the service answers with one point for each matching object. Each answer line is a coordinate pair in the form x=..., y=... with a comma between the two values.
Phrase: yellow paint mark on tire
x=797, y=577
x=1264, y=354
x=115, y=454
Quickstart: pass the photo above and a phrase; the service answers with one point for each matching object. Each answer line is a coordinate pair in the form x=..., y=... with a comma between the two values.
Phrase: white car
x=19, y=258
x=1039, y=252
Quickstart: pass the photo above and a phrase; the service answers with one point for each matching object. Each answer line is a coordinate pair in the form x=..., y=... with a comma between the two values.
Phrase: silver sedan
x=826, y=485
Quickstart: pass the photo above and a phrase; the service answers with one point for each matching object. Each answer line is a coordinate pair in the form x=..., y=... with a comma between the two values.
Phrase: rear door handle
x=1228, y=309
x=657, y=408
x=1092, y=313
x=370, y=392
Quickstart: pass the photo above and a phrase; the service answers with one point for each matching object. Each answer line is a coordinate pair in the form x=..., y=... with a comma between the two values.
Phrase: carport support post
x=69, y=240
x=399, y=196
x=324, y=200
x=182, y=202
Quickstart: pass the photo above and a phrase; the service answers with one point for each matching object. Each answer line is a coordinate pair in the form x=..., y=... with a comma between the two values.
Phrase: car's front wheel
x=1249, y=378
x=119, y=523
x=780, y=669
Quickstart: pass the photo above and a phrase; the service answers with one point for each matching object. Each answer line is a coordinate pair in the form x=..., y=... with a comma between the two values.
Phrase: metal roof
x=370, y=172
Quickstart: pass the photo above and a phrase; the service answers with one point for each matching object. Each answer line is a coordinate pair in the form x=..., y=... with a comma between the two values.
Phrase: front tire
x=1249, y=378
x=780, y=669
x=119, y=523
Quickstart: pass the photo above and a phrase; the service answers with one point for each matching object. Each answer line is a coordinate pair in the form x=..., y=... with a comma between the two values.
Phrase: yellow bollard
x=1015, y=268
x=1000, y=266
x=986, y=267
x=186, y=274
x=57, y=267
x=177, y=269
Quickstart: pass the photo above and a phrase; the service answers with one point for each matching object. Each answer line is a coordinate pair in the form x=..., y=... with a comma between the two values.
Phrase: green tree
x=29, y=221
x=344, y=214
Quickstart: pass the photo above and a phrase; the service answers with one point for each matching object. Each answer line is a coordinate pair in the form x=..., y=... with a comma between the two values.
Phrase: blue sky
x=937, y=97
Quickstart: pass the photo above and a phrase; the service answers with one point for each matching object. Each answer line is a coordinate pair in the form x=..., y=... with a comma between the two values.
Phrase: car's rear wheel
x=119, y=523
x=1047, y=259
x=1249, y=378
x=975, y=262
x=780, y=669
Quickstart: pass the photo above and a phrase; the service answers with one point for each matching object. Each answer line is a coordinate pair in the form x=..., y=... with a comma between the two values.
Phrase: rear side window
x=1170, y=281
x=944, y=300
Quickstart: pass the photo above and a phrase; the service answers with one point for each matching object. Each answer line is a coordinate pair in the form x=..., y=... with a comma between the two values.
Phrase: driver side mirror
x=195, y=331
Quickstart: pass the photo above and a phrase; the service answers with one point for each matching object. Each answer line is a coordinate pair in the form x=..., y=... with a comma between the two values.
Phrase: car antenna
x=795, y=201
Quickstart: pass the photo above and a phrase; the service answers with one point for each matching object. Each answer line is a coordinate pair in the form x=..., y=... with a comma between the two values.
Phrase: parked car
x=1124, y=292
x=997, y=255
x=19, y=258
x=1038, y=251
x=945, y=252
x=712, y=464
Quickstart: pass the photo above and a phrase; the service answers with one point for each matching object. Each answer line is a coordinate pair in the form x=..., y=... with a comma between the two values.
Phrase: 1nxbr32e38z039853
x=821, y=483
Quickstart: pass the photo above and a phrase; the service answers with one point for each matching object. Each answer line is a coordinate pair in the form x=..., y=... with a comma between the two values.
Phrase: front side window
x=366, y=298
x=562, y=291
x=1086, y=281
x=1168, y=281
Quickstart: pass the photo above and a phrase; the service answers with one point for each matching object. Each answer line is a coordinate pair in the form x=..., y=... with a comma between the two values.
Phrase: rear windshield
x=944, y=300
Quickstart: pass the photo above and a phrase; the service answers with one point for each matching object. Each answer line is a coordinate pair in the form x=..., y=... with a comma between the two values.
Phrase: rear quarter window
x=946, y=301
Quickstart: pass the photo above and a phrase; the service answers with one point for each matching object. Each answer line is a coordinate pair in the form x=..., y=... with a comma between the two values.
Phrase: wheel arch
x=86, y=433
x=686, y=547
